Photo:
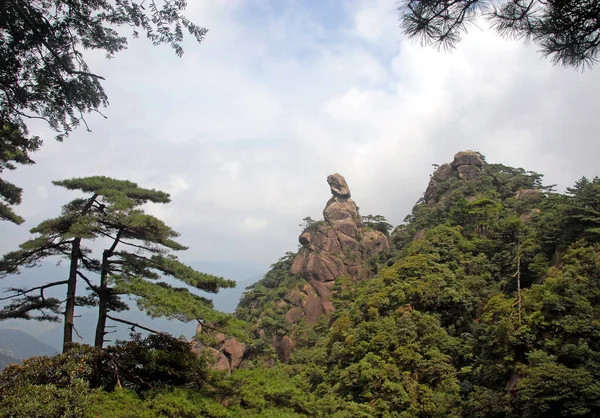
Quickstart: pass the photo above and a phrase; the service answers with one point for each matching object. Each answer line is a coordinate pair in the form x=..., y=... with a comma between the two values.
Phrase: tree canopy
x=44, y=74
x=136, y=259
x=486, y=305
x=566, y=31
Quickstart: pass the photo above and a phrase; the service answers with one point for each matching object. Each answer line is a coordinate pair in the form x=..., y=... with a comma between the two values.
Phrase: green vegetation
x=486, y=306
x=566, y=31
x=378, y=223
x=441, y=330
x=43, y=73
x=137, y=255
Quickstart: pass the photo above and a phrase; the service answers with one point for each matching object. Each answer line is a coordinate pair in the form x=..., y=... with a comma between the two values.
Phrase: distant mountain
x=20, y=345
x=245, y=273
x=6, y=361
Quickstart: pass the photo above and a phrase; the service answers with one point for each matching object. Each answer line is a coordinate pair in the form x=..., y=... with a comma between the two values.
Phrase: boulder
x=235, y=351
x=469, y=172
x=221, y=363
x=338, y=246
x=375, y=241
x=283, y=347
x=338, y=185
x=467, y=158
x=529, y=195
x=225, y=354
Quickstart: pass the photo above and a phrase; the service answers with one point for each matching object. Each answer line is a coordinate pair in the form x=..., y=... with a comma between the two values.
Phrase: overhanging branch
x=135, y=325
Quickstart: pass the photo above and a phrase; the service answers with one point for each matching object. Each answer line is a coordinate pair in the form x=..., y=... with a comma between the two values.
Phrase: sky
x=244, y=129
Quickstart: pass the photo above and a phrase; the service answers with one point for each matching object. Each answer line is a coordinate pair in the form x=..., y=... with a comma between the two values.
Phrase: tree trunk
x=71, y=290
x=72, y=283
x=103, y=292
x=102, y=302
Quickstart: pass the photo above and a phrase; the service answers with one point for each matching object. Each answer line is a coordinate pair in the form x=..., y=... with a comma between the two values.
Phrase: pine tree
x=14, y=149
x=568, y=32
x=43, y=73
x=110, y=211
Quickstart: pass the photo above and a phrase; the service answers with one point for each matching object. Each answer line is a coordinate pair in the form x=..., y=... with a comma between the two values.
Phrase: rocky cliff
x=337, y=246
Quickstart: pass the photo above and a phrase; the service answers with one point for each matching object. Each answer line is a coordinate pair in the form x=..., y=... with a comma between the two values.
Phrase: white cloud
x=254, y=224
x=244, y=129
x=42, y=192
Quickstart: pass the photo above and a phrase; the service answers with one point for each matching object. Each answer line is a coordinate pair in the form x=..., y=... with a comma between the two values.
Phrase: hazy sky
x=244, y=129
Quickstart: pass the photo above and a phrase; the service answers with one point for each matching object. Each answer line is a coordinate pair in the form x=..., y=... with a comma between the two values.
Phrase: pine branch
x=94, y=288
x=41, y=288
x=134, y=325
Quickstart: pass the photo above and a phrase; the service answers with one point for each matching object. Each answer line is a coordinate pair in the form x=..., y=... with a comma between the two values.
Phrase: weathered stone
x=312, y=307
x=444, y=172
x=431, y=191
x=376, y=241
x=338, y=185
x=469, y=172
x=235, y=351
x=221, y=362
x=294, y=315
x=528, y=216
x=305, y=239
x=339, y=246
x=529, y=195
x=284, y=347
x=323, y=290
x=341, y=209
x=420, y=234
x=220, y=337
x=298, y=264
x=294, y=297
x=326, y=240
x=467, y=158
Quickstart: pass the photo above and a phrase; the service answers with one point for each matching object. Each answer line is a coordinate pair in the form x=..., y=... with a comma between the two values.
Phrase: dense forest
x=484, y=303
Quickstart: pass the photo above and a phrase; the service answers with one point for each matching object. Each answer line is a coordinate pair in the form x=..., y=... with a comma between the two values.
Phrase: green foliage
x=258, y=305
x=48, y=387
x=175, y=402
x=440, y=330
x=378, y=223
x=486, y=307
x=44, y=74
x=561, y=30
x=14, y=149
x=155, y=362
x=136, y=258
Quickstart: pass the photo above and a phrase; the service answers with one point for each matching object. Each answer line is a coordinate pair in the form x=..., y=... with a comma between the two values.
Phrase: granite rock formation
x=337, y=246
x=224, y=353
x=466, y=165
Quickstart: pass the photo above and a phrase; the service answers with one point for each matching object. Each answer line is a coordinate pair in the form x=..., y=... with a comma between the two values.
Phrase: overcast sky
x=244, y=129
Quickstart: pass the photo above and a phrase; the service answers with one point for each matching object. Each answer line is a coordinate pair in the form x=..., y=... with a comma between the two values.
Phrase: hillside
x=485, y=302
x=6, y=361
x=485, y=305
x=20, y=345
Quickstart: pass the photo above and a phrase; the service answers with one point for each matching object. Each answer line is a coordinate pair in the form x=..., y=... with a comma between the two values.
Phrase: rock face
x=227, y=353
x=467, y=158
x=529, y=195
x=338, y=246
x=467, y=165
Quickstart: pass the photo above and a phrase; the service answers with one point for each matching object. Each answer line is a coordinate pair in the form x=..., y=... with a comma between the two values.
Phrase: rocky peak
x=334, y=247
x=467, y=158
x=338, y=185
x=467, y=165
